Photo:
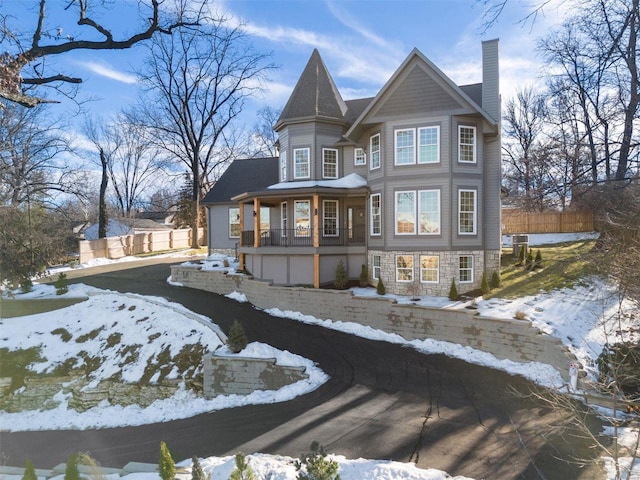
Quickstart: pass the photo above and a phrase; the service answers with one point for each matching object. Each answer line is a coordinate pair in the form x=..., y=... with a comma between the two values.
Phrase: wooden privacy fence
x=516, y=221
x=144, y=242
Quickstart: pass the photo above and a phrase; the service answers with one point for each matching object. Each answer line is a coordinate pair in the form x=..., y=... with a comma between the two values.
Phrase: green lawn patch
x=20, y=308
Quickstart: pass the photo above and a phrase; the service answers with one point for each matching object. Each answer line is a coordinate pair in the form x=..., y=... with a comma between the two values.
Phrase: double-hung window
x=429, y=144
x=283, y=219
x=283, y=166
x=406, y=213
x=329, y=163
x=465, y=271
x=405, y=145
x=234, y=222
x=376, y=214
x=429, y=268
x=359, y=157
x=429, y=212
x=301, y=158
x=330, y=218
x=466, y=144
x=302, y=218
x=376, y=267
x=374, y=149
x=404, y=268
x=467, y=212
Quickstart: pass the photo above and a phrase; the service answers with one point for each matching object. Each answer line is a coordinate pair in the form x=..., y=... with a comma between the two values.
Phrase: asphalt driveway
x=383, y=401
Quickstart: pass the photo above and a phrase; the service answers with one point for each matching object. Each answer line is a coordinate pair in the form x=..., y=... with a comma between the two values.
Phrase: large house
x=406, y=183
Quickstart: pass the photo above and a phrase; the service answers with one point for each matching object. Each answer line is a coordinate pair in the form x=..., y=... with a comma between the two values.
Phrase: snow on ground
x=580, y=316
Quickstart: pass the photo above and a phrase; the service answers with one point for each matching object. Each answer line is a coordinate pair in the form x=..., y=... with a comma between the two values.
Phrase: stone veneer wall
x=513, y=339
x=449, y=262
x=241, y=375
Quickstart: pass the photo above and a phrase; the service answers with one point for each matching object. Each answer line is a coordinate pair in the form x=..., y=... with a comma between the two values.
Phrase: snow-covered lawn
x=580, y=316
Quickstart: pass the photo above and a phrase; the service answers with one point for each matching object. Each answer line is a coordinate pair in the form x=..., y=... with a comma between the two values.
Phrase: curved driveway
x=383, y=401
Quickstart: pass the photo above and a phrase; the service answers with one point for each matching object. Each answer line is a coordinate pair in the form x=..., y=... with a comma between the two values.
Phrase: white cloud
x=109, y=72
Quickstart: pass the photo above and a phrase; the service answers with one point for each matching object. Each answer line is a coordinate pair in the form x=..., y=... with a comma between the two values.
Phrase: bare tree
x=197, y=82
x=263, y=136
x=23, y=63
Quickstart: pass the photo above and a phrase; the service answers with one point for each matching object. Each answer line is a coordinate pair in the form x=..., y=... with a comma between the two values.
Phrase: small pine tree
x=538, y=260
x=453, y=291
x=237, y=338
x=166, y=465
x=496, y=281
x=61, y=284
x=315, y=465
x=26, y=285
x=243, y=470
x=380, y=288
x=364, y=276
x=29, y=471
x=341, y=280
x=484, y=285
x=521, y=255
x=197, y=473
x=71, y=472
x=529, y=264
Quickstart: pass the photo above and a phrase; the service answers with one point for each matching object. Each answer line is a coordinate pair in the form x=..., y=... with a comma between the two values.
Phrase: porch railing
x=303, y=237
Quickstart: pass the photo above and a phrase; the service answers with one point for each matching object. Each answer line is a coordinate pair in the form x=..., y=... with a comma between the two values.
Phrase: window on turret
x=329, y=163
x=283, y=166
x=359, y=157
x=301, y=156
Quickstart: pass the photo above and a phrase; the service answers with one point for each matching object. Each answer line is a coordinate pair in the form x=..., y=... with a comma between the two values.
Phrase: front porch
x=304, y=237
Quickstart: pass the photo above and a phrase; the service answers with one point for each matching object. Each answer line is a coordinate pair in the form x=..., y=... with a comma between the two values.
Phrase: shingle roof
x=243, y=175
x=315, y=94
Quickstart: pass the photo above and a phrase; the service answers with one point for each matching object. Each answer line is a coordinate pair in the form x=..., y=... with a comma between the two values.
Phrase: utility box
x=520, y=242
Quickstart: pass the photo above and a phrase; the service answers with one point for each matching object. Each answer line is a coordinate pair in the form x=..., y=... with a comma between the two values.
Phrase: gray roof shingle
x=243, y=175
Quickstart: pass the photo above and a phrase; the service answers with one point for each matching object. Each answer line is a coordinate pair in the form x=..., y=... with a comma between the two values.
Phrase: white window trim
x=420, y=212
x=437, y=127
x=295, y=218
x=437, y=269
x=471, y=269
x=359, y=153
x=412, y=269
x=475, y=211
x=324, y=162
x=324, y=217
x=295, y=163
x=283, y=166
x=475, y=144
x=395, y=146
x=379, y=267
x=371, y=215
x=234, y=223
x=283, y=219
x=371, y=152
x=415, y=218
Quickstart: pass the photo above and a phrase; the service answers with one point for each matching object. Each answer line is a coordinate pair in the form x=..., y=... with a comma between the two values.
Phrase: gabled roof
x=315, y=95
x=462, y=93
x=243, y=175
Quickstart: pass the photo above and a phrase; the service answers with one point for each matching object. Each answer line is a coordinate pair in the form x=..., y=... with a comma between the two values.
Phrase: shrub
x=520, y=315
x=341, y=280
x=529, y=264
x=71, y=471
x=237, y=339
x=61, y=284
x=26, y=285
x=484, y=286
x=364, y=276
x=538, y=260
x=453, y=291
x=315, y=465
x=620, y=364
x=29, y=471
x=521, y=255
x=197, y=473
x=380, y=288
x=166, y=465
x=496, y=281
x=243, y=470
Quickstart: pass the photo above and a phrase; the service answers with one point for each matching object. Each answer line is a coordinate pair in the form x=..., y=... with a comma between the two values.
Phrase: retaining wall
x=513, y=339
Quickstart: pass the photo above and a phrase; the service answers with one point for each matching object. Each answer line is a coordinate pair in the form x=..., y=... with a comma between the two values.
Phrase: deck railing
x=303, y=237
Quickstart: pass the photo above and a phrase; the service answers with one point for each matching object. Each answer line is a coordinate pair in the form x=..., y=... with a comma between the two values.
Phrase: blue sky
x=361, y=42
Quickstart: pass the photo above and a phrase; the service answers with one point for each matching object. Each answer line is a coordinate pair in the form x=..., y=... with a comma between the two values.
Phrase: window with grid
x=429, y=145
x=283, y=219
x=405, y=213
x=301, y=156
x=234, y=222
x=467, y=212
x=374, y=149
x=376, y=267
x=429, y=212
x=302, y=218
x=465, y=271
x=429, y=268
x=376, y=214
x=283, y=166
x=359, y=157
x=466, y=144
x=404, y=268
x=329, y=163
x=330, y=218
x=405, y=146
